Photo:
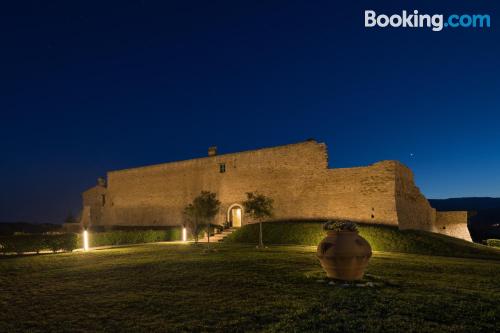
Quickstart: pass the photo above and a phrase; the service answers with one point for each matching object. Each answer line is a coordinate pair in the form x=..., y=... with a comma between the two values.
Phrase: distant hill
x=484, y=222
x=8, y=228
x=465, y=203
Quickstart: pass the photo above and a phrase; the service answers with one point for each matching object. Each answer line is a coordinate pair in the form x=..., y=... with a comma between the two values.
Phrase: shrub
x=24, y=243
x=122, y=237
x=7, y=245
x=337, y=225
x=493, y=242
x=58, y=242
x=199, y=214
x=21, y=243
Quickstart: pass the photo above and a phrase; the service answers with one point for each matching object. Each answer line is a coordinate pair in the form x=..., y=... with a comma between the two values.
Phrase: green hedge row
x=131, y=237
x=493, y=242
x=23, y=243
x=380, y=237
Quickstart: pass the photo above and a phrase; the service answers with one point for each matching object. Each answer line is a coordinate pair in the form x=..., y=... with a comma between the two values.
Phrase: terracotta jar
x=344, y=255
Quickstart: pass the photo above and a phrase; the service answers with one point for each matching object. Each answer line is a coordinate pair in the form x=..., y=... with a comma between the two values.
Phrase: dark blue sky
x=89, y=86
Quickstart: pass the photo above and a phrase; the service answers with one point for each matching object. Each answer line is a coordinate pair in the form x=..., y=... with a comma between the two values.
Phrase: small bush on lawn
x=24, y=243
x=21, y=243
x=132, y=237
x=64, y=242
x=493, y=242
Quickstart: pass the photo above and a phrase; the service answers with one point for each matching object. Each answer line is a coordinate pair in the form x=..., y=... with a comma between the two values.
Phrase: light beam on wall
x=184, y=234
x=85, y=240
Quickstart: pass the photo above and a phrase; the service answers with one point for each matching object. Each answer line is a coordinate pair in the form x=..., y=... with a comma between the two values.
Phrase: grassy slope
x=166, y=287
x=381, y=238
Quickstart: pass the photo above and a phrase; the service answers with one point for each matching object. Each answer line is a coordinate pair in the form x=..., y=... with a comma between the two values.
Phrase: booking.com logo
x=415, y=20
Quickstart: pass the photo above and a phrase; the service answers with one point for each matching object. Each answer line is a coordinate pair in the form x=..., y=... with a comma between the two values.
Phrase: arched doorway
x=235, y=215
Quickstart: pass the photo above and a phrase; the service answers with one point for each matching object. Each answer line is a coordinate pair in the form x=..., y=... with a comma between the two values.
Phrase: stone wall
x=94, y=200
x=363, y=194
x=453, y=224
x=296, y=176
x=156, y=195
x=413, y=209
x=415, y=212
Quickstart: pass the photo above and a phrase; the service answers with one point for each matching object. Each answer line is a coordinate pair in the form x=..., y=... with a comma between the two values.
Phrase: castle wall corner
x=93, y=205
x=414, y=211
x=453, y=224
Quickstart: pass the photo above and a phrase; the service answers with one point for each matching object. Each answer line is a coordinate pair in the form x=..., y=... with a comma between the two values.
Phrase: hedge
x=24, y=243
x=381, y=238
x=132, y=237
x=493, y=242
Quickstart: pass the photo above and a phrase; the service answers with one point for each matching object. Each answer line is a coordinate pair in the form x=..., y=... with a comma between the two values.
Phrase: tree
x=192, y=221
x=200, y=213
x=259, y=207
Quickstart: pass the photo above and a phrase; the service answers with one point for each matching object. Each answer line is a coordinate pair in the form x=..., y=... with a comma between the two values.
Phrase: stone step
x=217, y=237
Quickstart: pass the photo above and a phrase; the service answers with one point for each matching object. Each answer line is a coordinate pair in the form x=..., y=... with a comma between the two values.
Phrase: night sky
x=91, y=86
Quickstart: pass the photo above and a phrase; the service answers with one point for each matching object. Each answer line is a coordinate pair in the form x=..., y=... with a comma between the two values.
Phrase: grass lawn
x=177, y=287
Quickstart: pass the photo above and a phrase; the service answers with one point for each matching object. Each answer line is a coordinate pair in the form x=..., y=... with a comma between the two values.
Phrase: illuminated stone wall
x=296, y=176
x=452, y=224
x=414, y=211
x=93, y=205
x=156, y=195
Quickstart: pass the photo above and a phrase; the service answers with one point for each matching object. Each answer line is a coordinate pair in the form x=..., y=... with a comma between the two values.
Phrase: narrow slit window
x=222, y=167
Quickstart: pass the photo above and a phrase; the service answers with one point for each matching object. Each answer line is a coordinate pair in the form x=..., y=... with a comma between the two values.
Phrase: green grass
x=177, y=287
x=381, y=238
x=493, y=242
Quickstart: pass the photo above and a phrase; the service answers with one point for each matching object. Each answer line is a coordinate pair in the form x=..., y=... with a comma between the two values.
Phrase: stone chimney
x=101, y=181
x=212, y=151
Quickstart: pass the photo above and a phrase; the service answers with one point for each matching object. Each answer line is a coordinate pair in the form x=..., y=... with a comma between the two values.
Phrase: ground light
x=184, y=234
x=85, y=240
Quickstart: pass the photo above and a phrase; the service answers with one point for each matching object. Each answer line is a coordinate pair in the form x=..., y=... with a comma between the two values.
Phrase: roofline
x=216, y=156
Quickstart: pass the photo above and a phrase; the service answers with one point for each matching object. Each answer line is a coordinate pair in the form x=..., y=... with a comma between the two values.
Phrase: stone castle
x=296, y=176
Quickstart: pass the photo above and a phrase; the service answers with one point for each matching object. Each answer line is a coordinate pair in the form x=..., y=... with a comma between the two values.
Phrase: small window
x=103, y=199
x=222, y=167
